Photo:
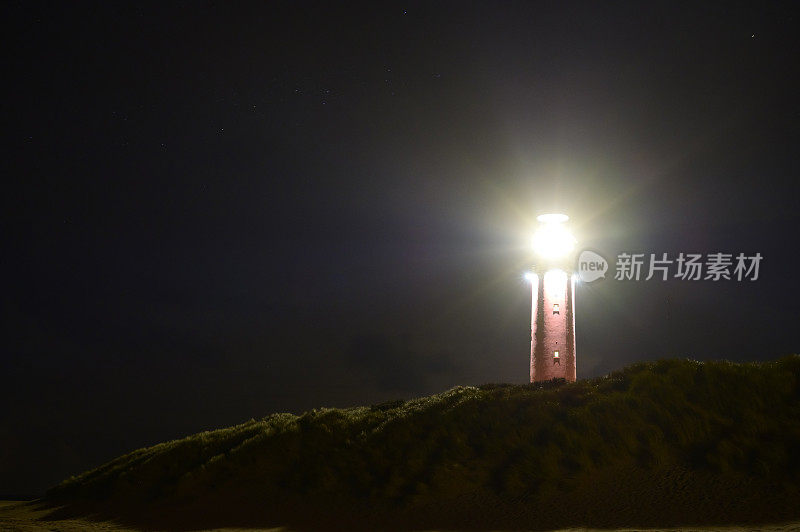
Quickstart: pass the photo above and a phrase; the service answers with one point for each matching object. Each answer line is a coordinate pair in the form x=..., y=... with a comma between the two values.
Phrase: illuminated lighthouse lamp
x=553, y=240
x=553, y=301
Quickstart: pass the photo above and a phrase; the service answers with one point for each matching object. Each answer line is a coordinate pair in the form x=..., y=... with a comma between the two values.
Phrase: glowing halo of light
x=553, y=218
x=553, y=240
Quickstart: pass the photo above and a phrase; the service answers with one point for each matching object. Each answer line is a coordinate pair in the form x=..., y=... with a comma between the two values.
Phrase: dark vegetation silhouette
x=668, y=443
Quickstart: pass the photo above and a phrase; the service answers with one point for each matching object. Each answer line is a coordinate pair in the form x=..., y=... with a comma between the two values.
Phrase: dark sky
x=213, y=211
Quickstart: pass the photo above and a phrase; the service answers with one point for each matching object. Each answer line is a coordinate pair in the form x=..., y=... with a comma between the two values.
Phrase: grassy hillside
x=669, y=443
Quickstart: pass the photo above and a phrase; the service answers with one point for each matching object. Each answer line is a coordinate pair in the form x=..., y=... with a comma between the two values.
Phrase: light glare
x=553, y=240
x=552, y=218
x=554, y=283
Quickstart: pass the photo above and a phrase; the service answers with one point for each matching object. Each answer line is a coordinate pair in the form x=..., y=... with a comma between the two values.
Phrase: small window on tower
x=555, y=354
x=555, y=308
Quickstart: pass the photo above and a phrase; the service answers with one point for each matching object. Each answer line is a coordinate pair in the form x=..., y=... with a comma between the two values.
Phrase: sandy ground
x=26, y=516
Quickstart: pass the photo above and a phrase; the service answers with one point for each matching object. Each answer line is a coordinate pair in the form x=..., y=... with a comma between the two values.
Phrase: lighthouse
x=553, y=301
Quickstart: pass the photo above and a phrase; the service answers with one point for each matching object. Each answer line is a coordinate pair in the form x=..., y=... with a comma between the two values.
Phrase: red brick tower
x=553, y=302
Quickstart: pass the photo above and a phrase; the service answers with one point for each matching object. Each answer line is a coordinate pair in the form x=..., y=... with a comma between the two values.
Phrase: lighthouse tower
x=553, y=302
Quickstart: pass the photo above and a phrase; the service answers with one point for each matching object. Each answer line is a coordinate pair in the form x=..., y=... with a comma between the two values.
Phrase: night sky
x=214, y=211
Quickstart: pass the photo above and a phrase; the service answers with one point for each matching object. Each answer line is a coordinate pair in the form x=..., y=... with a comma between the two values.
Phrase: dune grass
x=662, y=444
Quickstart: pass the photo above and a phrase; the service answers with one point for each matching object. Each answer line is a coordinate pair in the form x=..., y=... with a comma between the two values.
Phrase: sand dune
x=669, y=444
